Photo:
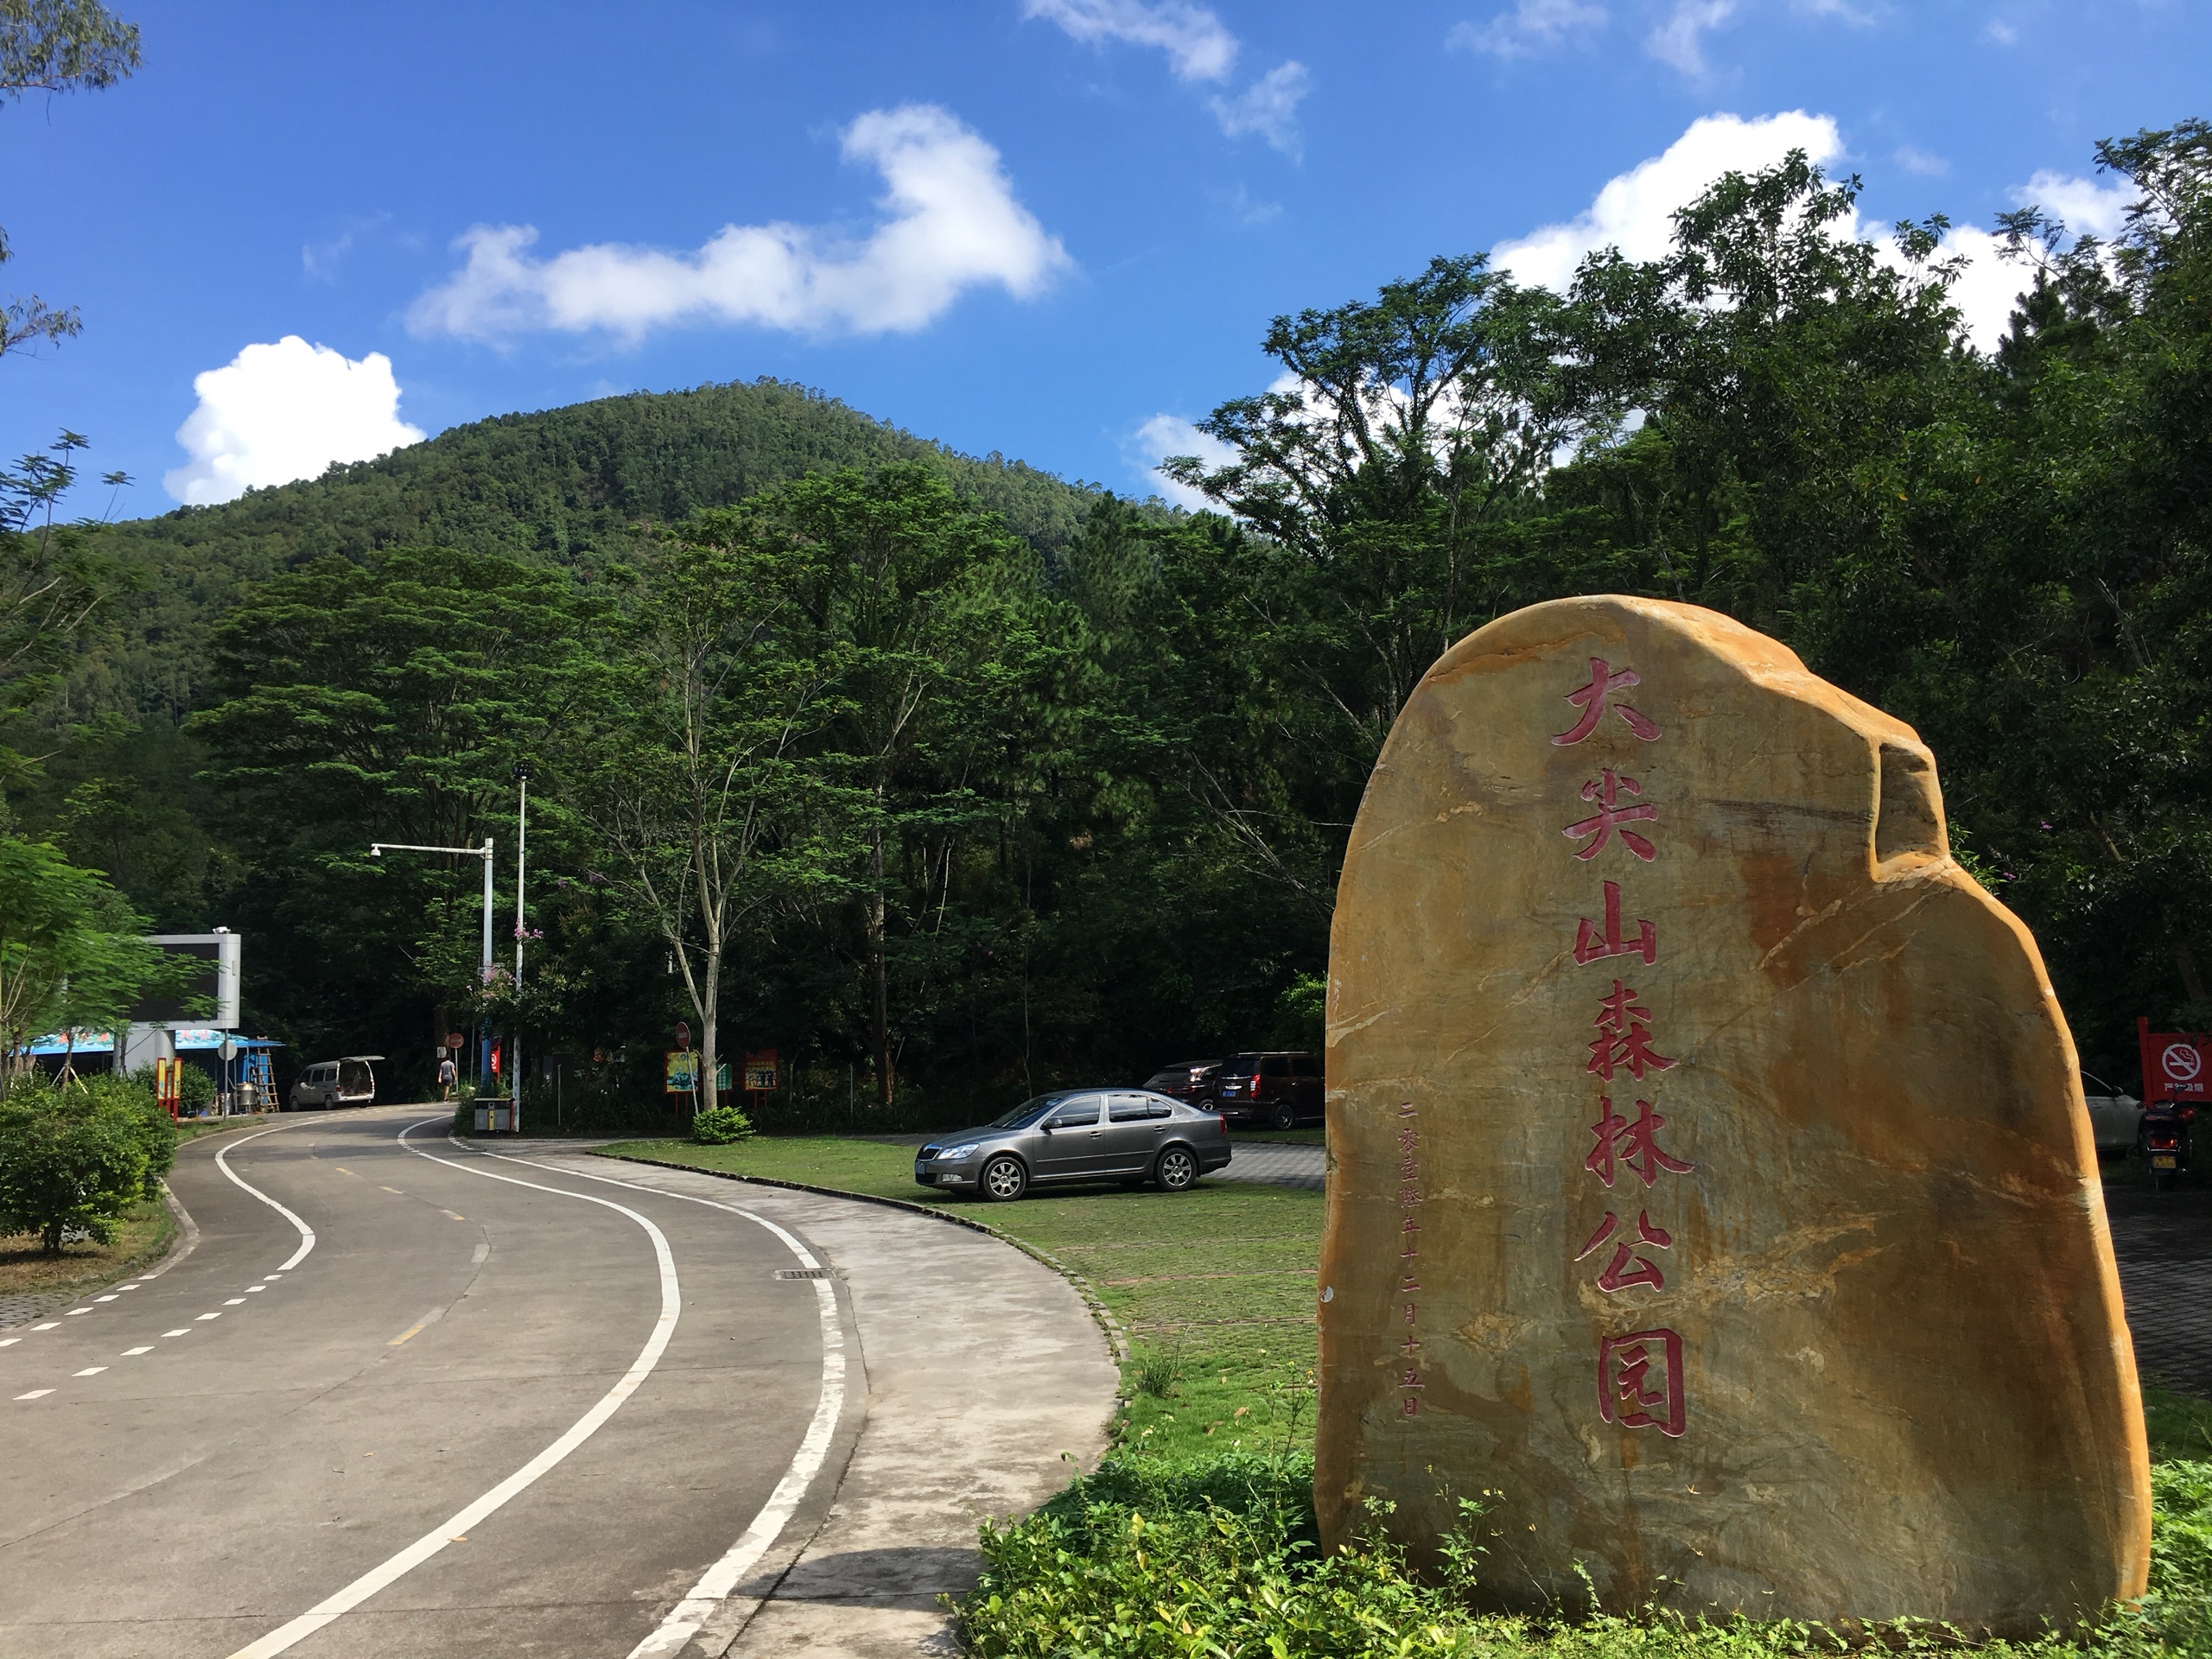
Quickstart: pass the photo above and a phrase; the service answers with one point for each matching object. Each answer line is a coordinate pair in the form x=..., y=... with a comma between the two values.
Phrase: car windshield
x=1025, y=1113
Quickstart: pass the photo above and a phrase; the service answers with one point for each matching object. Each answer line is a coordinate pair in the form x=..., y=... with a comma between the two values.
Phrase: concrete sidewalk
x=988, y=1385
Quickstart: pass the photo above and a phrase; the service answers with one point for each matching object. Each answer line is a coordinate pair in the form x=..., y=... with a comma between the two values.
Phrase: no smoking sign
x=2174, y=1064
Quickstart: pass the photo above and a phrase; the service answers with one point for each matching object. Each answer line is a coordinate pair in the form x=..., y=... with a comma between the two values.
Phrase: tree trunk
x=703, y=1095
x=880, y=980
x=2191, y=980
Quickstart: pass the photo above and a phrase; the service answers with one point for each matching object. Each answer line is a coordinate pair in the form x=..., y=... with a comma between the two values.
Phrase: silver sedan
x=1130, y=1135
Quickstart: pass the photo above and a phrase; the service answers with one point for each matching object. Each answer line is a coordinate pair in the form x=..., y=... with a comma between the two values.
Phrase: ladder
x=257, y=1077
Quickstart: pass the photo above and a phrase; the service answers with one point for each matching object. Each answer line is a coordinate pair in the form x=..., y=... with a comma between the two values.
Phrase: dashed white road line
x=714, y=1587
x=35, y=1394
x=48, y=1326
x=9, y=1342
x=217, y=1314
x=386, y=1573
x=89, y=1370
x=182, y=1331
x=130, y=1352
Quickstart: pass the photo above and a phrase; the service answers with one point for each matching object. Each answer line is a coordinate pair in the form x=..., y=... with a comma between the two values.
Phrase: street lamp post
x=522, y=853
x=484, y=1028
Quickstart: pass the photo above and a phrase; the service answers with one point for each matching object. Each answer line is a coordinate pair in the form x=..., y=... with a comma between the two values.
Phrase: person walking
x=448, y=1077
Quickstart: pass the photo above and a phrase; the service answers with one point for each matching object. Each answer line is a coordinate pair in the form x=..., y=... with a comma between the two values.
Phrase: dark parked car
x=1189, y=1081
x=1131, y=1135
x=1280, y=1091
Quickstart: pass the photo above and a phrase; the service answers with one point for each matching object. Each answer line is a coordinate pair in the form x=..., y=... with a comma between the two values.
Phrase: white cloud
x=1916, y=160
x=1196, y=42
x=1998, y=32
x=1200, y=47
x=1171, y=434
x=1268, y=106
x=2087, y=207
x=284, y=412
x=1532, y=26
x=1634, y=211
x=1680, y=40
x=950, y=223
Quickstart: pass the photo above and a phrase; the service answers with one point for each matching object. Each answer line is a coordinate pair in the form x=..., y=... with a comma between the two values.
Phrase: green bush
x=195, y=1089
x=718, y=1126
x=1217, y=1559
x=74, y=1160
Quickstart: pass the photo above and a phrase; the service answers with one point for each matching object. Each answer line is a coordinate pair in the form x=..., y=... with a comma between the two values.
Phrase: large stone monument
x=1709, y=1176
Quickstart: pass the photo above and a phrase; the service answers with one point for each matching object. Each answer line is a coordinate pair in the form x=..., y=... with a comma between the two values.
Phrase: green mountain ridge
x=562, y=485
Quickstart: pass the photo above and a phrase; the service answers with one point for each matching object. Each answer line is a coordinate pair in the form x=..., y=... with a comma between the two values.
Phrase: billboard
x=219, y=959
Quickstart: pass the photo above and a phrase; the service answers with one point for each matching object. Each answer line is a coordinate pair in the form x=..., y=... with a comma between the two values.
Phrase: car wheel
x=1004, y=1179
x=1177, y=1170
x=1284, y=1116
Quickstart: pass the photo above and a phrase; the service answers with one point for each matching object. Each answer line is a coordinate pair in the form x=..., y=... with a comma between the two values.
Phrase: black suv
x=1282, y=1091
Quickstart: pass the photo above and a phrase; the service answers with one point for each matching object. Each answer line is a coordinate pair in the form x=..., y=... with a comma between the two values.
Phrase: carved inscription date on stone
x=1682, y=1093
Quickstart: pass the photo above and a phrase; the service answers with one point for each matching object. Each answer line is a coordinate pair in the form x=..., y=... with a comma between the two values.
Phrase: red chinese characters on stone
x=1592, y=946
x=1596, y=697
x=1634, y=1144
x=1627, y=1267
x=1640, y=1381
x=1604, y=792
x=1623, y=1038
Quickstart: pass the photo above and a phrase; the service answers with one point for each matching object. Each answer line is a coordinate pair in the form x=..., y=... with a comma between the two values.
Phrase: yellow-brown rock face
x=1709, y=1175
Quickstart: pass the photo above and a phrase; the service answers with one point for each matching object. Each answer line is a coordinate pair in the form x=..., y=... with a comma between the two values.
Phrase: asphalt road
x=434, y=1404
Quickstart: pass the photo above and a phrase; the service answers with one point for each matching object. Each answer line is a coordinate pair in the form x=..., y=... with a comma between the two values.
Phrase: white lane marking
x=35, y=1394
x=377, y=1578
x=89, y=1370
x=126, y=1286
x=48, y=1326
x=714, y=1587
x=235, y=1301
x=307, y=1233
x=269, y=1278
x=249, y=1289
x=182, y=1331
x=216, y=1315
x=477, y=1257
x=9, y=1342
x=128, y=1352
x=103, y=1298
x=74, y=1312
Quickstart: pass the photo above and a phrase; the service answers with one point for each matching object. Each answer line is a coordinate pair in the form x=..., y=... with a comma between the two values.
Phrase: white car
x=2115, y=1116
x=347, y=1082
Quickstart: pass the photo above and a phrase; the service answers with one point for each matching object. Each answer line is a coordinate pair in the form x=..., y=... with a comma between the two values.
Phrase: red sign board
x=2176, y=1065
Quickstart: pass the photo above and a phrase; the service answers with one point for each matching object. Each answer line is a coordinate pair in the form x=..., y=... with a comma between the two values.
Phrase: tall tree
x=689, y=766
x=905, y=606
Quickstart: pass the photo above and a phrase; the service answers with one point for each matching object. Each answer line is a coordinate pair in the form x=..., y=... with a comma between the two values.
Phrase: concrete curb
x=1116, y=1339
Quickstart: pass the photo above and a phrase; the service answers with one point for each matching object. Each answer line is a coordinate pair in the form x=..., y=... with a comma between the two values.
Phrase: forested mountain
x=562, y=486
x=951, y=781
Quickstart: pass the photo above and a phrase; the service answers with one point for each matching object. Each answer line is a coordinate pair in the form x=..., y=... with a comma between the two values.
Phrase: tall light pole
x=522, y=851
x=484, y=1027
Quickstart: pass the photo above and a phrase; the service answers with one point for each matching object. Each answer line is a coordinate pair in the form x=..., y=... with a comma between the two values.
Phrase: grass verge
x=1195, y=1538
x=1214, y=1287
x=143, y=1238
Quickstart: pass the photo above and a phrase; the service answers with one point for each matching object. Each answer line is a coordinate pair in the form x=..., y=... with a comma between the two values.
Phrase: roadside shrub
x=195, y=1089
x=74, y=1160
x=718, y=1126
x=1218, y=1558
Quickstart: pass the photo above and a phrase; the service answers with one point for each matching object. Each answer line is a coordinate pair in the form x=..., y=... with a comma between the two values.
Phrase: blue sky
x=1052, y=228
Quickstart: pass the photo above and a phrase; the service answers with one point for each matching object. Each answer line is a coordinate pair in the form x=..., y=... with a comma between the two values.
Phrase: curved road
x=408, y=1397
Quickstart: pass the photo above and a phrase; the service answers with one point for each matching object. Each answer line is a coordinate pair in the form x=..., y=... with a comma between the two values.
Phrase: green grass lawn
x=1215, y=1285
x=142, y=1239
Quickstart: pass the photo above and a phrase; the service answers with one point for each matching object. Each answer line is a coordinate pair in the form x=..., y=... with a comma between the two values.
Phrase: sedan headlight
x=955, y=1154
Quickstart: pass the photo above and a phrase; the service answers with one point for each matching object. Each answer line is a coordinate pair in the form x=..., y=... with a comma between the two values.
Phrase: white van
x=347, y=1082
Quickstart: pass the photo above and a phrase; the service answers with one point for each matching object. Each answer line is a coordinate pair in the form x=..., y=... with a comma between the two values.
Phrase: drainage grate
x=803, y=1273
